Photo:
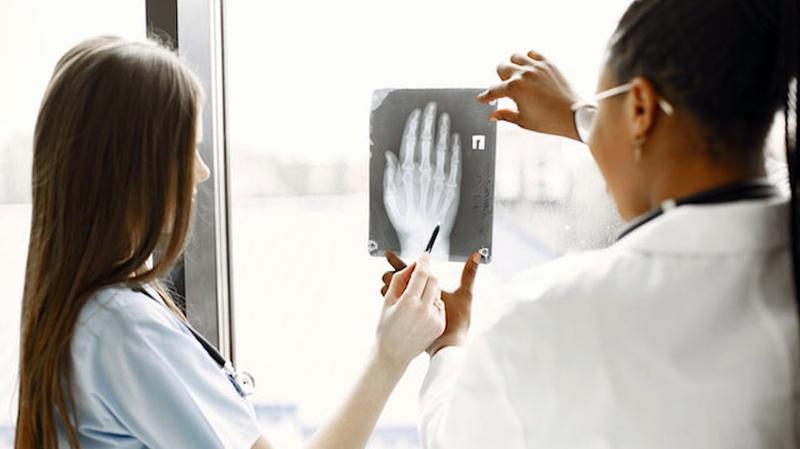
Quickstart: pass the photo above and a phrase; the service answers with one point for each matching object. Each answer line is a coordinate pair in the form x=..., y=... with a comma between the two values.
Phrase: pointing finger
x=394, y=260
x=470, y=272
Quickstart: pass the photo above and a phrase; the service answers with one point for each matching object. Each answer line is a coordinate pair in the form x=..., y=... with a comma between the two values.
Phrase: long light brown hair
x=113, y=158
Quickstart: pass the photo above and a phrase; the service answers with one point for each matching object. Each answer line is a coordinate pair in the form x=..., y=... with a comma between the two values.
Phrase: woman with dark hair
x=682, y=334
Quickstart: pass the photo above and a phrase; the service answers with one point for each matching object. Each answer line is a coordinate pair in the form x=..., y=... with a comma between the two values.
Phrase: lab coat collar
x=756, y=225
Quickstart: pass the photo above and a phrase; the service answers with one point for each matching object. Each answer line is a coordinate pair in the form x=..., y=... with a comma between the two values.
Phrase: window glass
x=299, y=82
x=34, y=35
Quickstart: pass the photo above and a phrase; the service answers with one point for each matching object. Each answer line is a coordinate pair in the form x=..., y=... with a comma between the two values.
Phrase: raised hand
x=541, y=92
x=418, y=191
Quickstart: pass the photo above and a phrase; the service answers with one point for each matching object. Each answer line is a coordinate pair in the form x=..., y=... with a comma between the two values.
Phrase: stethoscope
x=738, y=191
x=243, y=382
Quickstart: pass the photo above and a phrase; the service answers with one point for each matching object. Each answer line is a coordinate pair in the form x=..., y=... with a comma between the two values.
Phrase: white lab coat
x=681, y=335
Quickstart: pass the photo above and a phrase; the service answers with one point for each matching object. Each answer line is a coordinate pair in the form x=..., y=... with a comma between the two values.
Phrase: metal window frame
x=195, y=29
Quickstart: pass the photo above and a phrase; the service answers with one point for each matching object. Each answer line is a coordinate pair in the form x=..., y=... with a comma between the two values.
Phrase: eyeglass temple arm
x=664, y=104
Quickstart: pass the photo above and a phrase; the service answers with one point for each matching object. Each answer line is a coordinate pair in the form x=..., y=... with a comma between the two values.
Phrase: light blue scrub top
x=141, y=380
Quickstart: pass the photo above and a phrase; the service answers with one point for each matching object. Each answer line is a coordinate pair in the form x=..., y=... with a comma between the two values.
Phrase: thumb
x=505, y=115
x=470, y=272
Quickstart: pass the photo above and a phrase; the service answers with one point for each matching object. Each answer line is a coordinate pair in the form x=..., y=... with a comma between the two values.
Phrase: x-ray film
x=432, y=163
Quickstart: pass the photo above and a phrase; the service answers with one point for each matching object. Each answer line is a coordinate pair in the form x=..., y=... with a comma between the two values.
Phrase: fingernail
x=476, y=257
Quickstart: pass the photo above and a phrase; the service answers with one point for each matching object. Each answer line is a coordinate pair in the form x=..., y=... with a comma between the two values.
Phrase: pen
x=432, y=240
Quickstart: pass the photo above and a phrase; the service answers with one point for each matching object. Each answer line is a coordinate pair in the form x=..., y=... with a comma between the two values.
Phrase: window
x=299, y=82
x=34, y=34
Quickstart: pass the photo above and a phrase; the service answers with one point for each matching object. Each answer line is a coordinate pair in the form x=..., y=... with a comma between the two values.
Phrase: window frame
x=202, y=278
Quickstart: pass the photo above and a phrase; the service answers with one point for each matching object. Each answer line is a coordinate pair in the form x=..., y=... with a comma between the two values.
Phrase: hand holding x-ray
x=422, y=189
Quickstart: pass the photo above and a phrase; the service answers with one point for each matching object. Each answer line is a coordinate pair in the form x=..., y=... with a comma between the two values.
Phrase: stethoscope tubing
x=243, y=382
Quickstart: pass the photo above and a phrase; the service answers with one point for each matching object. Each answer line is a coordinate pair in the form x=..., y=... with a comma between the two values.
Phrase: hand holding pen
x=458, y=303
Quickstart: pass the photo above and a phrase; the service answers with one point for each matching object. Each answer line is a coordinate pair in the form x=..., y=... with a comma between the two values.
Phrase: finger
x=470, y=272
x=453, y=180
x=444, y=132
x=536, y=55
x=409, y=142
x=394, y=260
x=454, y=174
x=400, y=281
x=522, y=60
x=495, y=92
x=426, y=138
x=432, y=291
x=506, y=70
x=425, y=146
x=384, y=289
x=441, y=159
x=387, y=277
x=505, y=115
x=416, y=284
x=439, y=177
x=391, y=198
x=390, y=175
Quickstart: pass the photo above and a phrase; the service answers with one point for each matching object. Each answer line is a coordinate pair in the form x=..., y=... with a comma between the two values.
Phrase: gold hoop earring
x=638, y=144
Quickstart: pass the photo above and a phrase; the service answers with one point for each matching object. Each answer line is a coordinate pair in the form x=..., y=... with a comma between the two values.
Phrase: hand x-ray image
x=432, y=163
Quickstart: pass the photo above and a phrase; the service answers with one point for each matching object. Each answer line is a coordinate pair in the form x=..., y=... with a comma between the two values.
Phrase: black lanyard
x=243, y=382
x=737, y=191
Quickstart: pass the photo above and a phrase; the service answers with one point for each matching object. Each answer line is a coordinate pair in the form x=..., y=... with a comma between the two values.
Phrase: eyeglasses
x=585, y=112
